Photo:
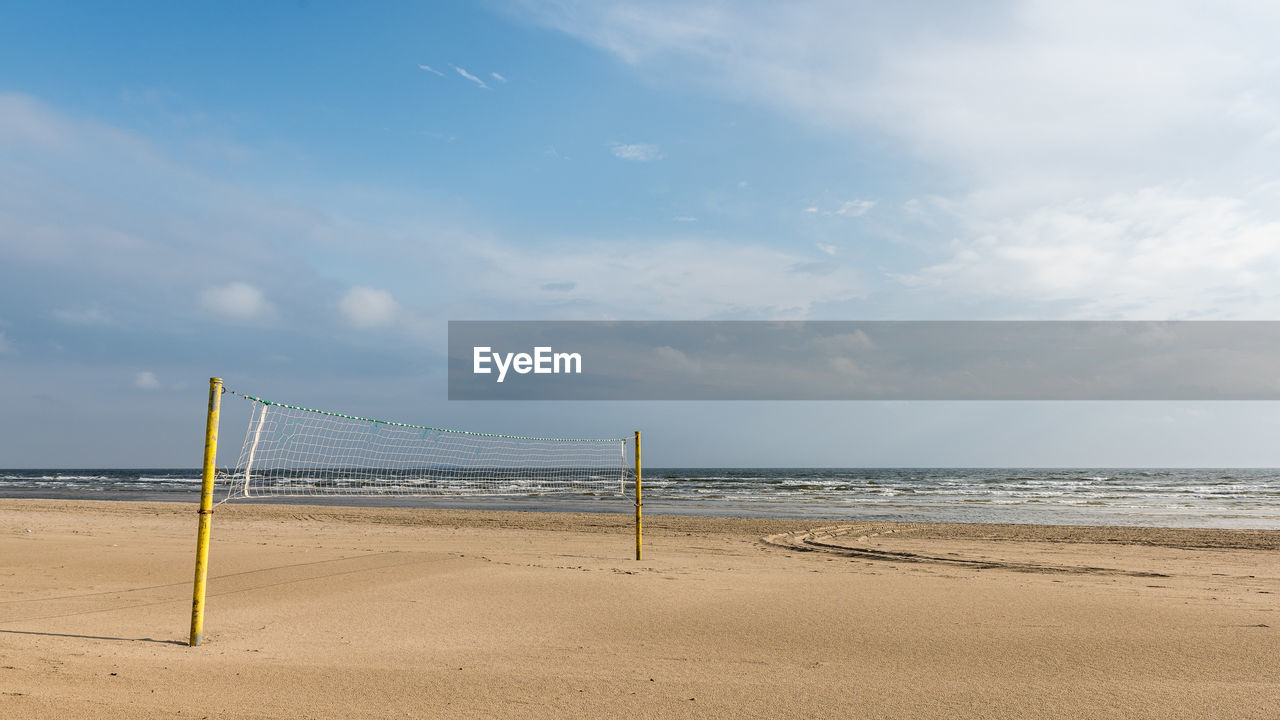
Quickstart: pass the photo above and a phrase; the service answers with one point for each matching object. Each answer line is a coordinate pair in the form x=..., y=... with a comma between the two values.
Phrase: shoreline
x=622, y=520
x=1222, y=498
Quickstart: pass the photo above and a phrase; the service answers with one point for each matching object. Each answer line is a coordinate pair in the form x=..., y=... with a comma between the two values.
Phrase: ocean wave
x=1153, y=496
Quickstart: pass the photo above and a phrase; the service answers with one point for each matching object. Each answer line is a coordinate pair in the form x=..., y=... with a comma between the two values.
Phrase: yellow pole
x=206, y=511
x=639, y=503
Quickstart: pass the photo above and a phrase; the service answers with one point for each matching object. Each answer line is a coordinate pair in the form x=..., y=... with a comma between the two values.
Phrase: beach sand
x=318, y=612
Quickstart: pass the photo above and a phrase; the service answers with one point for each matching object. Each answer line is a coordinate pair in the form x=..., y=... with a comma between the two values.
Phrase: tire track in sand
x=822, y=540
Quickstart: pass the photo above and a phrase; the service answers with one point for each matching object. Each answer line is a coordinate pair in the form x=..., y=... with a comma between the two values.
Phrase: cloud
x=638, y=152
x=828, y=249
x=1049, y=138
x=855, y=208
x=498, y=77
x=666, y=357
x=689, y=279
x=122, y=233
x=1121, y=256
x=366, y=307
x=236, y=301
x=685, y=218
x=82, y=316
x=26, y=121
x=67, y=237
x=146, y=380
x=848, y=208
x=430, y=69
x=1012, y=85
x=469, y=76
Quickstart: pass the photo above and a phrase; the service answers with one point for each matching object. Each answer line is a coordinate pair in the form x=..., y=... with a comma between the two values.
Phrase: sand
x=381, y=613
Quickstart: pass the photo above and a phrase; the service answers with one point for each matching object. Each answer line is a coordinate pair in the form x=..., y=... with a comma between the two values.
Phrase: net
x=295, y=451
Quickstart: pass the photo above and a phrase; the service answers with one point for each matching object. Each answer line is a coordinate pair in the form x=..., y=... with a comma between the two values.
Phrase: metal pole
x=639, y=502
x=206, y=511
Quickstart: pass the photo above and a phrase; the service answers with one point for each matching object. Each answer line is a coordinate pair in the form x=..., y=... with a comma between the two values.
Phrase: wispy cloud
x=716, y=279
x=1189, y=257
x=637, y=152
x=1051, y=123
x=855, y=208
x=828, y=249
x=430, y=69
x=366, y=307
x=236, y=301
x=685, y=218
x=498, y=77
x=100, y=260
x=81, y=316
x=463, y=72
x=146, y=380
x=848, y=208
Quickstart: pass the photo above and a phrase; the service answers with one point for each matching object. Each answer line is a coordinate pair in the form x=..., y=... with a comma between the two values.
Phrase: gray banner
x=878, y=360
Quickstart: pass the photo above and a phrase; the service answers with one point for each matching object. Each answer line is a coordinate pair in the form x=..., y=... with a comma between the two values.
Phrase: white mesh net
x=294, y=451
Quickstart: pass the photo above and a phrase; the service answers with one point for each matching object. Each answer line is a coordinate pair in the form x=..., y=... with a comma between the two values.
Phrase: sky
x=297, y=197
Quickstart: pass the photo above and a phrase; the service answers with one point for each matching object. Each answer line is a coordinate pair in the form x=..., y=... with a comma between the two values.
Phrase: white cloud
x=82, y=316
x=366, y=307
x=101, y=218
x=469, y=76
x=1121, y=256
x=236, y=301
x=684, y=279
x=685, y=218
x=1094, y=156
x=26, y=121
x=669, y=358
x=498, y=77
x=146, y=380
x=828, y=249
x=637, y=152
x=1013, y=84
x=430, y=69
x=848, y=208
x=855, y=208
x=303, y=250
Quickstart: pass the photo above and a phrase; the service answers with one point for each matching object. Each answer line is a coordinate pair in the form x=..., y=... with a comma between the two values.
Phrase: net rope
x=291, y=451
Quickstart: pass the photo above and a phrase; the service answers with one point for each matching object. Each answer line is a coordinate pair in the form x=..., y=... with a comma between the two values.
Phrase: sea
x=1163, y=497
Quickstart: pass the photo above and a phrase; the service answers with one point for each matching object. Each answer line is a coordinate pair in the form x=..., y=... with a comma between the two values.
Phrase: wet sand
x=318, y=612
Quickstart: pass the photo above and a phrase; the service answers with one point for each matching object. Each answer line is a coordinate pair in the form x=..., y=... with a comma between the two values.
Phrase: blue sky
x=298, y=197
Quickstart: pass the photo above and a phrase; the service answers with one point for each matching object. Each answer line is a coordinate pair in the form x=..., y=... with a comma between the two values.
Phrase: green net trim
x=425, y=427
